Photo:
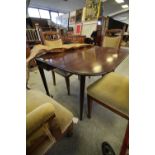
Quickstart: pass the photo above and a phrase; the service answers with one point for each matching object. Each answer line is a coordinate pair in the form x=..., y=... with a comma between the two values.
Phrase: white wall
x=88, y=28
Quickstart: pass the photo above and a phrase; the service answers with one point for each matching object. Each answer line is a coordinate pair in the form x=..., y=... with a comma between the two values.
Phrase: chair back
x=33, y=36
x=113, y=38
x=49, y=36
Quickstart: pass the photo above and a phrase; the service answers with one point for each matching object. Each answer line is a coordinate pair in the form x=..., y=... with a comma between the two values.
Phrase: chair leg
x=89, y=103
x=27, y=78
x=27, y=87
x=67, y=84
x=53, y=76
x=125, y=144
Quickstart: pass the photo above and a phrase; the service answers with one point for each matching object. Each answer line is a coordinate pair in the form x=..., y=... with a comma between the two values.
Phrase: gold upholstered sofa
x=46, y=122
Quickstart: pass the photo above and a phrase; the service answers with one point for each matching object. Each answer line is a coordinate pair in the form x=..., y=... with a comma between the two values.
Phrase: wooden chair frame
x=53, y=35
x=49, y=35
x=33, y=36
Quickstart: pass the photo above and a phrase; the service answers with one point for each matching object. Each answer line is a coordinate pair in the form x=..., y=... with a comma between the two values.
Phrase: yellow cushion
x=111, y=41
x=112, y=89
x=53, y=43
x=35, y=136
x=63, y=116
x=38, y=116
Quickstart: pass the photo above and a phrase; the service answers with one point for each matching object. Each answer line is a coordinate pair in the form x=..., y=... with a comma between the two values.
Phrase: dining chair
x=53, y=39
x=112, y=92
x=113, y=38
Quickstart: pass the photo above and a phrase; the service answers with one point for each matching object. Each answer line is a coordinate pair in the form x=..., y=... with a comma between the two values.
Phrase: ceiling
x=58, y=5
x=109, y=6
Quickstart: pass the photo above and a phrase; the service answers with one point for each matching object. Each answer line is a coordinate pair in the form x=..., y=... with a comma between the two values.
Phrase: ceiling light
x=125, y=6
x=119, y=1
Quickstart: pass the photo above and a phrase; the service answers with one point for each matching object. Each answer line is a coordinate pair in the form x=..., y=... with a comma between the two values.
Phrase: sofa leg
x=70, y=130
x=89, y=103
x=53, y=76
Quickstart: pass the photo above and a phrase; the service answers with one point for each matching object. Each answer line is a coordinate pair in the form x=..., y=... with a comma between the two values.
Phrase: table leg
x=82, y=88
x=44, y=80
x=125, y=143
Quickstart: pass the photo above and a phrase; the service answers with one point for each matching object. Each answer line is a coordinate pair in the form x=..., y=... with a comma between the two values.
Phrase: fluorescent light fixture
x=119, y=1
x=125, y=6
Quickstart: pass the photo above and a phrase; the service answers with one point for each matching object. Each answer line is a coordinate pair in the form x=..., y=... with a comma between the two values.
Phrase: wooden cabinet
x=73, y=38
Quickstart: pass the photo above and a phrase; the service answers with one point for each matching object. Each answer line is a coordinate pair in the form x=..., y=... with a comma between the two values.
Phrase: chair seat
x=63, y=73
x=112, y=90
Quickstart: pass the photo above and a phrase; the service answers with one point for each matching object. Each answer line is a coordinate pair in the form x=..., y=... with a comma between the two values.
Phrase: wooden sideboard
x=73, y=38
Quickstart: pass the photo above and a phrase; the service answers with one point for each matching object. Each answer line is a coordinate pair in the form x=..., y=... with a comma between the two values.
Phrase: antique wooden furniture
x=49, y=35
x=82, y=62
x=73, y=38
x=33, y=36
x=112, y=92
x=47, y=38
x=46, y=122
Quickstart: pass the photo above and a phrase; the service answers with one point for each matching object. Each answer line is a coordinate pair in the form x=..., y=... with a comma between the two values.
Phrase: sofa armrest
x=38, y=116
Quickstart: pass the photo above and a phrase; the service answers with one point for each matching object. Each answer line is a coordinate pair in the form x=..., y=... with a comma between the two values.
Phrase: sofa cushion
x=62, y=115
x=35, y=137
x=38, y=116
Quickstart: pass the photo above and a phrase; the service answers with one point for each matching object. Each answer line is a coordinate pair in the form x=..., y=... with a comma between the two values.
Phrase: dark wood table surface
x=90, y=61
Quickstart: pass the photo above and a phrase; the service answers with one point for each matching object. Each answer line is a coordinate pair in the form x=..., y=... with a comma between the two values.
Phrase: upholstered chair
x=46, y=122
x=112, y=92
x=113, y=38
